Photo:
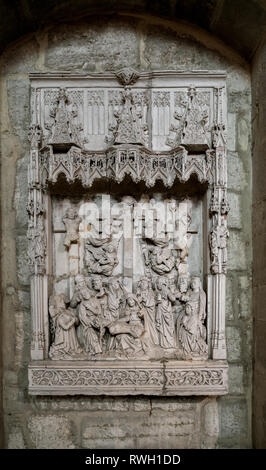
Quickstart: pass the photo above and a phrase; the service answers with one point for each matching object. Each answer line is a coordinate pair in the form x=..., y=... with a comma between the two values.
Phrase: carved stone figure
x=65, y=344
x=164, y=314
x=214, y=248
x=218, y=241
x=196, y=119
x=192, y=332
x=103, y=296
x=182, y=288
x=129, y=329
x=63, y=130
x=192, y=116
x=160, y=259
x=223, y=235
x=182, y=240
x=181, y=298
x=71, y=221
x=101, y=255
x=115, y=300
x=198, y=296
x=128, y=128
x=90, y=315
x=37, y=244
x=158, y=256
x=177, y=127
x=115, y=305
x=146, y=298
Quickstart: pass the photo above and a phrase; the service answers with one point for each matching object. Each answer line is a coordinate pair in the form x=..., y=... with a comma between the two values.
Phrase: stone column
x=37, y=249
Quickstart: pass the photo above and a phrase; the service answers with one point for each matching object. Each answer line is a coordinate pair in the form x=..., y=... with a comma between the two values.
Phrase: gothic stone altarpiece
x=128, y=262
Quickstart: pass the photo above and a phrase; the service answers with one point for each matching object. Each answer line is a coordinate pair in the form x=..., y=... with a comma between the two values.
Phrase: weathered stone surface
x=229, y=306
x=163, y=48
x=18, y=93
x=238, y=82
x=210, y=426
x=245, y=296
x=83, y=403
x=240, y=99
x=231, y=141
x=93, y=46
x=140, y=430
x=236, y=173
x=235, y=213
x=243, y=135
x=16, y=439
x=173, y=404
x=20, y=57
x=22, y=263
x=236, y=386
x=237, y=252
x=142, y=404
x=234, y=431
x=24, y=299
x=21, y=197
x=50, y=432
x=233, y=343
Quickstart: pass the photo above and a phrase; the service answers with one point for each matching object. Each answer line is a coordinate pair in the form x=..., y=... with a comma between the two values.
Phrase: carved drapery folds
x=102, y=292
x=63, y=129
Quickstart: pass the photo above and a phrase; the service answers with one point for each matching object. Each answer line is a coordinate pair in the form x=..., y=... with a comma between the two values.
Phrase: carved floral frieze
x=129, y=380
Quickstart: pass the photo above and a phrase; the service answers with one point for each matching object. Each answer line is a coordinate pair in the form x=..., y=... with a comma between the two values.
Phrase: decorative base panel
x=128, y=378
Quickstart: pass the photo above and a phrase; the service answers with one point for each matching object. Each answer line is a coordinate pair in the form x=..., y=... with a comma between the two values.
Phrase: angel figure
x=101, y=254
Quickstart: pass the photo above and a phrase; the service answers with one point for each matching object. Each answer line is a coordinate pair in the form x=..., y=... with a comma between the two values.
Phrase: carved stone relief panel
x=124, y=251
x=127, y=233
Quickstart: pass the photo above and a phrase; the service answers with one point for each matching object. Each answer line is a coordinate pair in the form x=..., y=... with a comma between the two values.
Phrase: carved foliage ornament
x=150, y=379
x=127, y=76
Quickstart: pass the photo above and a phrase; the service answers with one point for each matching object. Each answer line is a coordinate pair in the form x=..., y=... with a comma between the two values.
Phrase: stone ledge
x=128, y=378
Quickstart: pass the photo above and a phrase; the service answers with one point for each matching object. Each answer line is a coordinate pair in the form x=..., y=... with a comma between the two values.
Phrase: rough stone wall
x=36, y=422
x=259, y=246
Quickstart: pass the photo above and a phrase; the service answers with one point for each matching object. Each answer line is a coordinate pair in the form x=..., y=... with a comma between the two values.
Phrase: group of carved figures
x=160, y=319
